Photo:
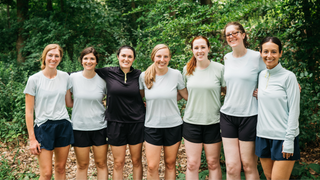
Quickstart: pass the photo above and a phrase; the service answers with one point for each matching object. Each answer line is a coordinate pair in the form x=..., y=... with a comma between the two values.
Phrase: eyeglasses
x=232, y=34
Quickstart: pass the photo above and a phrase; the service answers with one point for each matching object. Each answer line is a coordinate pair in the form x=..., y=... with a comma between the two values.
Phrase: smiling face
x=53, y=59
x=89, y=61
x=270, y=54
x=236, y=40
x=125, y=58
x=200, y=49
x=162, y=58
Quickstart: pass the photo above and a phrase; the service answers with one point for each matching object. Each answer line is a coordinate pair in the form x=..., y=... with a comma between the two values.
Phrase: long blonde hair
x=48, y=48
x=150, y=74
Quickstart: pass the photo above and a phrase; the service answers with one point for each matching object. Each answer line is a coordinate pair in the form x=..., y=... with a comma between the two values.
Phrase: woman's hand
x=286, y=155
x=34, y=147
x=255, y=93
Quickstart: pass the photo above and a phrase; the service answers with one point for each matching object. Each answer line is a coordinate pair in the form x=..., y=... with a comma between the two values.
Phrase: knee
x=153, y=168
x=46, y=174
x=233, y=168
x=193, y=165
x=118, y=165
x=83, y=166
x=101, y=164
x=249, y=167
x=170, y=165
x=136, y=162
x=60, y=169
x=213, y=164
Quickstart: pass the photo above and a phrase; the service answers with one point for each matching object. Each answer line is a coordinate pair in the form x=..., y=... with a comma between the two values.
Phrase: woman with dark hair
x=277, y=141
x=163, y=124
x=125, y=112
x=89, y=126
x=201, y=128
x=238, y=115
x=51, y=130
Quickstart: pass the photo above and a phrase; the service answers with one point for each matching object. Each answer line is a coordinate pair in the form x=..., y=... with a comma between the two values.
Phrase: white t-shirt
x=49, y=101
x=162, y=108
x=204, y=94
x=241, y=76
x=88, y=110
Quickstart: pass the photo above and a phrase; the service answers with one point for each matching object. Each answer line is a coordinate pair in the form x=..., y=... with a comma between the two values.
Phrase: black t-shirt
x=124, y=102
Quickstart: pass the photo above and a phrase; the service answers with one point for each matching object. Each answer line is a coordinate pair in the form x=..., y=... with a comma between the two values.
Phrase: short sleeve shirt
x=162, y=108
x=49, y=96
x=88, y=110
x=241, y=76
x=204, y=94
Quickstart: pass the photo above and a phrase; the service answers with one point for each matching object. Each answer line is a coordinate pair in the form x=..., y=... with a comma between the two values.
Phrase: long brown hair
x=48, y=48
x=150, y=74
x=192, y=63
x=240, y=27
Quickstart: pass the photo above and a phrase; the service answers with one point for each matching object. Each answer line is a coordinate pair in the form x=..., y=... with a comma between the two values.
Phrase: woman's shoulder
x=62, y=73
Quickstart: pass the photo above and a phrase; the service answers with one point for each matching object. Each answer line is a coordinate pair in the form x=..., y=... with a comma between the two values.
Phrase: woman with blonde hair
x=51, y=130
x=163, y=124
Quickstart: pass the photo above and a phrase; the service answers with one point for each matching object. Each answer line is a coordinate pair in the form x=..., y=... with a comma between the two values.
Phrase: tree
x=22, y=12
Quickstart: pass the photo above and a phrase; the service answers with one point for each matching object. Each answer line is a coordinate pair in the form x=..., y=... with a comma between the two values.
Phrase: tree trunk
x=61, y=5
x=133, y=6
x=8, y=15
x=49, y=5
x=308, y=24
x=22, y=11
x=206, y=2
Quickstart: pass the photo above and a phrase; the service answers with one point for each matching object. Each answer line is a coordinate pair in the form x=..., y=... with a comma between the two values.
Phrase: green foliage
x=302, y=170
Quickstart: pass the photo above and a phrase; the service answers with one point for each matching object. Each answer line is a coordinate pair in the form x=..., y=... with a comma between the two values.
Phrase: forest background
x=27, y=26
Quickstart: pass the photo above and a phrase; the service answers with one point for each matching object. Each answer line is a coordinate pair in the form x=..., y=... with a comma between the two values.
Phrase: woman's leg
x=61, y=155
x=193, y=151
x=45, y=164
x=267, y=165
x=136, y=155
x=213, y=160
x=282, y=170
x=232, y=155
x=82, y=155
x=119, y=154
x=100, y=159
x=249, y=159
x=170, y=156
x=153, y=159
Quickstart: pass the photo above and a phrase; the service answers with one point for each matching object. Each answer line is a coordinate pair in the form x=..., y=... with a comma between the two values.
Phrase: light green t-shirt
x=204, y=92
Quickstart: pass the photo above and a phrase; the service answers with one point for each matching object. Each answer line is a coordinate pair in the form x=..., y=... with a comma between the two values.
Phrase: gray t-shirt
x=49, y=101
x=204, y=94
x=88, y=110
x=241, y=76
x=162, y=108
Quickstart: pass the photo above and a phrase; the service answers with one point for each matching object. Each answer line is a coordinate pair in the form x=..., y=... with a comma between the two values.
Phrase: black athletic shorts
x=163, y=136
x=243, y=128
x=90, y=138
x=120, y=134
x=206, y=134
x=54, y=133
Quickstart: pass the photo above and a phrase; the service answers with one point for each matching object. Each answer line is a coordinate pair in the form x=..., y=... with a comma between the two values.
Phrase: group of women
x=126, y=120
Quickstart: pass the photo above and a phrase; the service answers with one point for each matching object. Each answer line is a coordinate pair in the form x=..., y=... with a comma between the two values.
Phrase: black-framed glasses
x=232, y=34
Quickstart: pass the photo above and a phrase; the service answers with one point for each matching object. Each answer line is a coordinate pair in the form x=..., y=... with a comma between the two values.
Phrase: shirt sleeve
x=31, y=87
x=141, y=81
x=262, y=65
x=102, y=72
x=180, y=83
x=184, y=75
x=293, y=95
x=222, y=81
x=70, y=84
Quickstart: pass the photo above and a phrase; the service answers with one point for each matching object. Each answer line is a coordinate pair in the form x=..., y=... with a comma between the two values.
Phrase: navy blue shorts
x=207, y=134
x=54, y=133
x=270, y=148
x=243, y=128
x=120, y=134
x=163, y=136
x=90, y=138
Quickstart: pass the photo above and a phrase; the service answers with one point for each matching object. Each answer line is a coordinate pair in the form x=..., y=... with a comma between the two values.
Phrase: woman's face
x=89, y=62
x=162, y=58
x=270, y=54
x=234, y=36
x=200, y=49
x=125, y=58
x=53, y=58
